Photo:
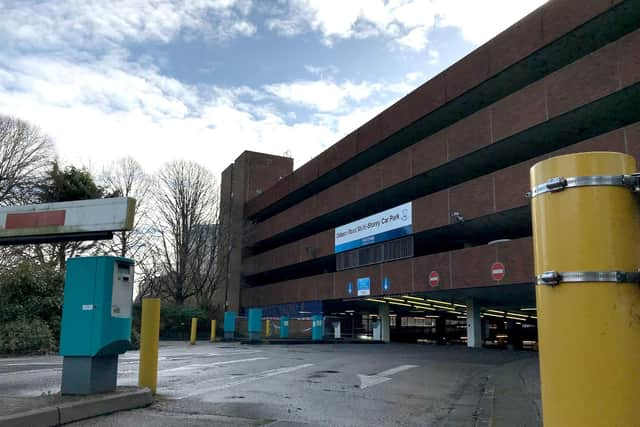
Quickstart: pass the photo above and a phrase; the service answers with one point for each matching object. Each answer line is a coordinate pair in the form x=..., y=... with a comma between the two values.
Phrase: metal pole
x=588, y=315
x=213, y=330
x=194, y=330
x=149, y=341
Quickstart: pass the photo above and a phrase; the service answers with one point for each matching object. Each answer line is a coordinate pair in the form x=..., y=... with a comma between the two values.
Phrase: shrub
x=26, y=336
x=135, y=339
x=30, y=303
x=175, y=320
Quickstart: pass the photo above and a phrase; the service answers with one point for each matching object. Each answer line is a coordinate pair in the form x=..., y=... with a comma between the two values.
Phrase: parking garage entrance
x=500, y=317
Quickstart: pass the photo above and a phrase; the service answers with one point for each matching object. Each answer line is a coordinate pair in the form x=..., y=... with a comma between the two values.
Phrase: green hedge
x=26, y=336
x=175, y=321
x=30, y=308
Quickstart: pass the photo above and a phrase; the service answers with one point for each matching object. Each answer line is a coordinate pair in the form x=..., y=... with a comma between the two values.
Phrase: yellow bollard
x=213, y=330
x=588, y=325
x=267, y=328
x=149, y=339
x=194, y=330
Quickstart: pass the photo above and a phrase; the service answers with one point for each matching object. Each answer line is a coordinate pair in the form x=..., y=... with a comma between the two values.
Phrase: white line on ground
x=34, y=364
x=207, y=365
x=256, y=377
x=32, y=371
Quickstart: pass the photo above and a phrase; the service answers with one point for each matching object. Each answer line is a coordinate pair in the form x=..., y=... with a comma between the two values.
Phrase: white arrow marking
x=381, y=377
x=369, y=380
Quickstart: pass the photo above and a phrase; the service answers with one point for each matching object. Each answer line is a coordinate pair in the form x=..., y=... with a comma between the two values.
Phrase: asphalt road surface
x=319, y=385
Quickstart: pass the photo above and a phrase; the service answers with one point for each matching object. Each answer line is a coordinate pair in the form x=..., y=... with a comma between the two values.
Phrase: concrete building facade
x=456, y=151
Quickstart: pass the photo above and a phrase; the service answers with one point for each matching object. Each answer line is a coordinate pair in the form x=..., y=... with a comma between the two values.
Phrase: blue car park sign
x=386, y=284
x=386, y=225
x=364, y=287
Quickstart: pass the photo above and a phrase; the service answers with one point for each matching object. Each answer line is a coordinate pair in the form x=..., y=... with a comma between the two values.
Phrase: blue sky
x=204, y=80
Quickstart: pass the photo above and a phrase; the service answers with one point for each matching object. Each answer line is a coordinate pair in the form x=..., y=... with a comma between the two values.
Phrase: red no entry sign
x=434, y=279
x=497, y=271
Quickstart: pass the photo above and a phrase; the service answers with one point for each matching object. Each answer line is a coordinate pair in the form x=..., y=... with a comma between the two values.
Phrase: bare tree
x=126, y=178
x=186, y=211
x=25, y=155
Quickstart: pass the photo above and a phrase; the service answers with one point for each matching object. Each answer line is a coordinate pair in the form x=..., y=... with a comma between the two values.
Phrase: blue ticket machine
x=96, y=322
x=229, y=325
x=317, y=327
x=255, y=325
x=284, y=327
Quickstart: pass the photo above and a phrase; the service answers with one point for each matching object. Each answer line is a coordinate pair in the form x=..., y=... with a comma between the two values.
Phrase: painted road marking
x=32, y=371
x=381, y=377
x=34, y=364
x=395, y=370
x=207, y=365
x=259, y=376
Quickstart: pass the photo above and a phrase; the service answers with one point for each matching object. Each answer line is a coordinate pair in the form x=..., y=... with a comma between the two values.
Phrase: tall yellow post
x=267, y=328
x=149, y=340
x=586, y=235
x=194, y=330
x=213, y=330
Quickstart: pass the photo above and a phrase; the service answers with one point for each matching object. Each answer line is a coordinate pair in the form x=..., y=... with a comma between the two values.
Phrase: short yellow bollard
x=213, y=330
x=586, y=235
x=267, y=328
x=194, y=330
x=149, y=340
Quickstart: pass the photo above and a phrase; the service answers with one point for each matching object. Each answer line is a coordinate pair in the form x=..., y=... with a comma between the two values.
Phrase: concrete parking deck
x=337, y=385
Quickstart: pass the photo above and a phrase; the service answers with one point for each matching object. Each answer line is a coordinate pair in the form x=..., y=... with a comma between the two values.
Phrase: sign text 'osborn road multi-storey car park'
x=386, y=225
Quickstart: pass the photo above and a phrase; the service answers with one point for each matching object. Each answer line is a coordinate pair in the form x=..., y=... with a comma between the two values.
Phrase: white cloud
x=321, y=70
x=434, y=56
x=100, y=110
x=100, y=104
x=479, y=21
x=416, y=39
x=407, y=22
x=322, y=95
x=415, y=76
x=62, y=23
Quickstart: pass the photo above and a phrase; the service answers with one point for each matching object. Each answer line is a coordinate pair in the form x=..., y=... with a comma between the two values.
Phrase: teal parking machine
x=255, y=325
x=96, y=322
x=229, y=325
x=317, y=327
x=284, y=327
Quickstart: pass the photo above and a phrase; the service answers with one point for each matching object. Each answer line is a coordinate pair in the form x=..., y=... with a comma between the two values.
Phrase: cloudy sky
x=206, y=79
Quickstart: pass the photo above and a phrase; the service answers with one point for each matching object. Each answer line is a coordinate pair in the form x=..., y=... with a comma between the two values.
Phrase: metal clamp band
x=553, y=278
x=632, y=182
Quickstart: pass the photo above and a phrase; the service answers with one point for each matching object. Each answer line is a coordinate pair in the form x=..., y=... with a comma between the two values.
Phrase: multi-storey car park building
x=422, y=212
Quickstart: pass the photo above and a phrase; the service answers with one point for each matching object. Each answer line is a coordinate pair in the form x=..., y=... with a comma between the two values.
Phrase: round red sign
x=434, y=279
x=497, y=271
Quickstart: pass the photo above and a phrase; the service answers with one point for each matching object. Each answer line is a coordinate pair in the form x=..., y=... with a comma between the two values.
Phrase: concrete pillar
x=486, y=331
x=383, y=315
x=441, y=330
x=474, y=324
